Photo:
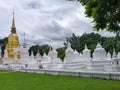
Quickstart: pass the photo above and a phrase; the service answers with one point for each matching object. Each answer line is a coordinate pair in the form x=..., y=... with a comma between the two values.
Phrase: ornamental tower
x=13, y=40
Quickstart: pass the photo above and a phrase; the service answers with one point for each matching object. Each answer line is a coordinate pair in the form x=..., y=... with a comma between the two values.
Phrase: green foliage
x=105, y=14
x=3, y=43
x=45, y=49
x=61, y=53
x=78, y=42
x=33, y=81
x=41, y=49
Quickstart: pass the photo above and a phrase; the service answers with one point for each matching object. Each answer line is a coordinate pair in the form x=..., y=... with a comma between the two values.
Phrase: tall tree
x=108, y=43
x=105, y=14
x=78, y=42
x=61, y=53
x=3, y=43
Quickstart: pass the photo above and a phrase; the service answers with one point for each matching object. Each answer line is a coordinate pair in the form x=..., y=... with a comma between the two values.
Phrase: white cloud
x=44, y=20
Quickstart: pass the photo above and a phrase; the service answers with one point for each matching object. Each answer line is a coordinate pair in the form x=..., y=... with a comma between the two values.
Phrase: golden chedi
x=13, y=40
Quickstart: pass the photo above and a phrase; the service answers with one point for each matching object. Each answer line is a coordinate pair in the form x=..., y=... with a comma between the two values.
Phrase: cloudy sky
x=44, y=21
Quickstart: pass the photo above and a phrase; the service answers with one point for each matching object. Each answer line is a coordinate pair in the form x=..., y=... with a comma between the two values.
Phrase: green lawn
x=32, y=81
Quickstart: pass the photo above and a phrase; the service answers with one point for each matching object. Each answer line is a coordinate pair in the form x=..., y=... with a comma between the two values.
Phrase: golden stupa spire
x=13, y=23
x=13, y=28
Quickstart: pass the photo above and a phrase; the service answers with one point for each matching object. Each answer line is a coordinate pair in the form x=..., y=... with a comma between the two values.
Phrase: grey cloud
x=53, y=31
x=32, y=5
x=44, y=20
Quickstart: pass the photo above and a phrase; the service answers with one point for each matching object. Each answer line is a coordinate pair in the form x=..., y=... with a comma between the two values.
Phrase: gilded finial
x=13, y=23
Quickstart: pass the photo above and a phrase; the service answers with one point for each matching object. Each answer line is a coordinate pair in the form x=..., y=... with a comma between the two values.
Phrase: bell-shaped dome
x=99, y=52
x=13, y=40
x=99, y=48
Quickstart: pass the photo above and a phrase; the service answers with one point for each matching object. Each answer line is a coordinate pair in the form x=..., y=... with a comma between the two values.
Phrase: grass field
x=31, y=81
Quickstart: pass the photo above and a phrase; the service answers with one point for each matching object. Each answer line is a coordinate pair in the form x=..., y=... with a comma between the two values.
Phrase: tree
x=41, y=49
x=92, y=39
x=105, y=14
x=61, y=53
x=3, y=43
x=78, y=42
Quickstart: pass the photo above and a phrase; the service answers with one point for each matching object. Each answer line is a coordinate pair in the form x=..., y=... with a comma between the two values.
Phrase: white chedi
x=24, y=53
x=108, y=56
x=69, y=54
x=86, y=53
x=87, y=57
x=53, y=54
x=99, y=53
x=32, y=57
x=69, y=49
x=76, y=53
x=45, y=61
x=55, y=62
x=32, y=63
x=114, y=56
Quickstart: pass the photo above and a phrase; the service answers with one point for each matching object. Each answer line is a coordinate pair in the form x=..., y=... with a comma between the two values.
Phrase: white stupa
x=99, y=53
x=69, y=54
x=32, y=57
x=86, y=53
x=108, y=56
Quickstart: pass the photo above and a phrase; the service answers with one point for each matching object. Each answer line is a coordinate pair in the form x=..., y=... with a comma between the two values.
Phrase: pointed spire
x=50, y=45
x=108, y=55
x=98, y=45
x=86, y=46
x=13, y=28
x=24, y=43
x=86, y=49
x=114, y=53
